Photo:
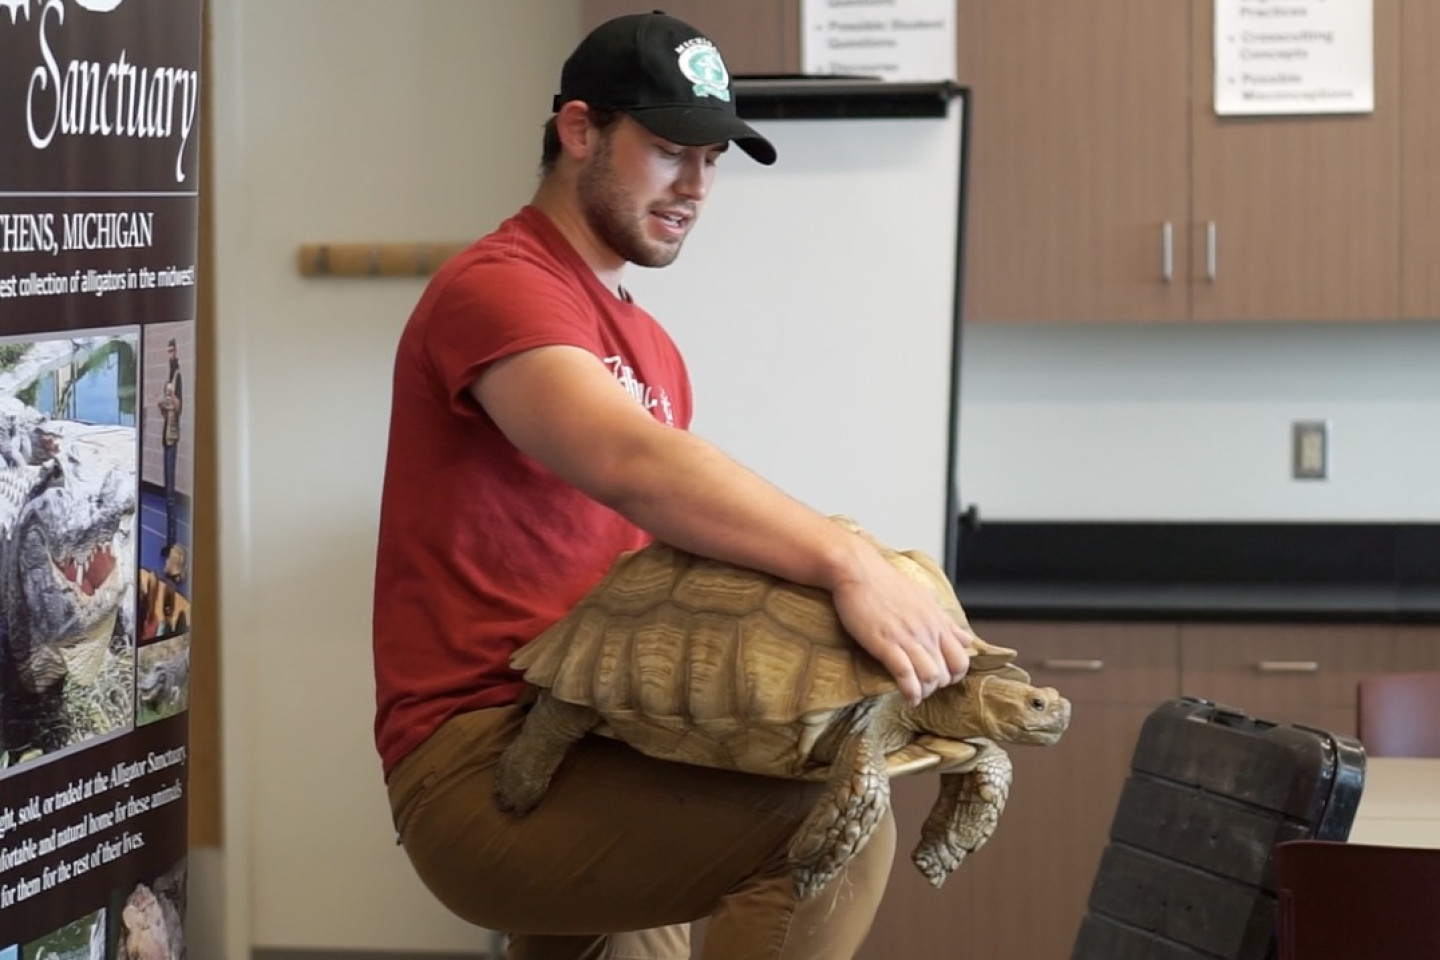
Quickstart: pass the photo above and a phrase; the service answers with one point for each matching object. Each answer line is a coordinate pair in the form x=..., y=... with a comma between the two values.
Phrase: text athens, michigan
x=110, y=230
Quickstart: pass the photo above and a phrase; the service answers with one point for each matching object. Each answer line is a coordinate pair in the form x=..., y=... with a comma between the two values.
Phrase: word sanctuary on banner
x=75, y=97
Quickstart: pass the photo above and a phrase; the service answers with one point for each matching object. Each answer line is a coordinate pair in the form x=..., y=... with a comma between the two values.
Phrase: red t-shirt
x=481, y=548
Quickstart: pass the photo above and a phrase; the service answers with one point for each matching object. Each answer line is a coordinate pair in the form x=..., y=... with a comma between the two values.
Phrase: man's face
x=641, y=194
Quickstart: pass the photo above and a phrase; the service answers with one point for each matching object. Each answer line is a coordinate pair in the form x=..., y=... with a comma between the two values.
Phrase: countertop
x=1351, y=603
x=1355, y=572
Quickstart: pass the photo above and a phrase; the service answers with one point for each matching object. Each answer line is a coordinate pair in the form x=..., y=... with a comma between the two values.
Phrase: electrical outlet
x=1310, y=449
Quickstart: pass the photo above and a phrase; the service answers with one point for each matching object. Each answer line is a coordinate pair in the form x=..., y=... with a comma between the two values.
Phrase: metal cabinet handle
x=1074, y=666
x=1288, y=666
x=1212, y=251
x=1167, y=251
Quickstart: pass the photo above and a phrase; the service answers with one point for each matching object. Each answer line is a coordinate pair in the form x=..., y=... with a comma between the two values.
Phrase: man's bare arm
x=562, y=407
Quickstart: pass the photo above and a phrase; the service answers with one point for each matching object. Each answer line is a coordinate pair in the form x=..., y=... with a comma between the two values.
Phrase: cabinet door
x=1305, y=211
x=1286, y=673
x=1079, y=159
x=756, y=36
x=1032, y=880
x=1417, y=649
x=1419, y=185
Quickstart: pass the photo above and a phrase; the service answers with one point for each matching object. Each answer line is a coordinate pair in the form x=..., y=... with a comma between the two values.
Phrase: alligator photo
x=67, y=513
x=163, y=679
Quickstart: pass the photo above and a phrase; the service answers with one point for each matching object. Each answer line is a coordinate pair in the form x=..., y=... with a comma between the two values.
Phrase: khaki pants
x=622, y=843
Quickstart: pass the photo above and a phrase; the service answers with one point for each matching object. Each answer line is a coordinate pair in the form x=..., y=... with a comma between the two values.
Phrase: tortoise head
x=1016, y=712
x=1005, y=709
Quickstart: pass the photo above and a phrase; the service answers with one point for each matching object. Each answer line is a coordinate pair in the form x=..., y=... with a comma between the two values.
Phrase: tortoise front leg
x=523, y=773
x=965, y=814
x=844, y=817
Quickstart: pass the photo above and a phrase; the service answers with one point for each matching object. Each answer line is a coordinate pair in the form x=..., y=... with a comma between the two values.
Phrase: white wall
x=1177, y=422
x=336, y=120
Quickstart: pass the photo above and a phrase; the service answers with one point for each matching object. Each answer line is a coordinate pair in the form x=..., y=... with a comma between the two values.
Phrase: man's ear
x=578, y=135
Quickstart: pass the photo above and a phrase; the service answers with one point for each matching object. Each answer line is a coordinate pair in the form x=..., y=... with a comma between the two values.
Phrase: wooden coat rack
x=375, y=259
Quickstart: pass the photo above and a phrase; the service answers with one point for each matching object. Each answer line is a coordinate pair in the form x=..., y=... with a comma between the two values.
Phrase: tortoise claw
x=936, y=861
x=810, y=882
x=965, y=813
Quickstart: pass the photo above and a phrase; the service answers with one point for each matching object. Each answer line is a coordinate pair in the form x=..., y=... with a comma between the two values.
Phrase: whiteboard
x=816, y=304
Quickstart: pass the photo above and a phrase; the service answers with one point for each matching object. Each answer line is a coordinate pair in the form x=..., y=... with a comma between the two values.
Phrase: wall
x=336, y=120
x=1177, y=422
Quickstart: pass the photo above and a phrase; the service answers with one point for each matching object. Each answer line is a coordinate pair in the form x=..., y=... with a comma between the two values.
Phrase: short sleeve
x=489, y=311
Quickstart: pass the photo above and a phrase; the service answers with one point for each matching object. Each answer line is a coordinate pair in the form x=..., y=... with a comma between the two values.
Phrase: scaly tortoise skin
x=701, y=662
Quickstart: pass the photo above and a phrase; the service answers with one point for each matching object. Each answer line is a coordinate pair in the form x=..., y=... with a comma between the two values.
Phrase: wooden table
x=1400, y=805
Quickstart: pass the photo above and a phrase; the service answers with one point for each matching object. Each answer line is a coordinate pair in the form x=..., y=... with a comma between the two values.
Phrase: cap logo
x=702, y=66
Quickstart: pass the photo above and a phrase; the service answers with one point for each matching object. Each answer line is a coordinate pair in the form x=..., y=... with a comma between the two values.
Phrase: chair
x=1398, y=714
x=1348, y=901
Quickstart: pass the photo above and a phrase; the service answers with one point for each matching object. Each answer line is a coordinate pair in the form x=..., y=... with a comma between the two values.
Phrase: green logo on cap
x=703, y=67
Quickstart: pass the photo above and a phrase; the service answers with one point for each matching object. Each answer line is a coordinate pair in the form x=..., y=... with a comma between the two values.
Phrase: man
x=520, y=465
x=171, y=404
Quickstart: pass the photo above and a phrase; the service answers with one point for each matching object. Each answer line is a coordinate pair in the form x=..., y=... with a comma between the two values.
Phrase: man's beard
x=607, y=208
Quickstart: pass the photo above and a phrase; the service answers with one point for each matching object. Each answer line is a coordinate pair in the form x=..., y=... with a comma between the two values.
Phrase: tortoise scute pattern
x=697, y=661
x=672, y=636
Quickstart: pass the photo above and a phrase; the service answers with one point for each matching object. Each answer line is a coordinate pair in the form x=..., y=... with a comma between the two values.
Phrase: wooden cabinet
x=1286, y=673
x=1030, y=882
x=1296, y=217
x=1079, y=159
x=1420, y=145
x=1299, y=673
x=1104, y=187
x=1417, y=649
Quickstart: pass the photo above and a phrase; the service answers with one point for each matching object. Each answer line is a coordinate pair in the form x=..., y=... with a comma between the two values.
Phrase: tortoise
x=694, y=660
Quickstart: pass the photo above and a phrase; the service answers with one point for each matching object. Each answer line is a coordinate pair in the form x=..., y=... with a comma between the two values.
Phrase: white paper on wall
x=889, y=39
x=1294, y=56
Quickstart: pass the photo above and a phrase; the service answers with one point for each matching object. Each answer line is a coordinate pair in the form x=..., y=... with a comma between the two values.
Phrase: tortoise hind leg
x=965, y=814
x=844, y=817
x=525, y=768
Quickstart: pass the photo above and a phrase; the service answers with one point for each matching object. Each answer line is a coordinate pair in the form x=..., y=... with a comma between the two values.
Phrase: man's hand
x=898, y=621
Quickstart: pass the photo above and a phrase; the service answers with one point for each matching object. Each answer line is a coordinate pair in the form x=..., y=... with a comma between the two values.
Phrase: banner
x=99, y=203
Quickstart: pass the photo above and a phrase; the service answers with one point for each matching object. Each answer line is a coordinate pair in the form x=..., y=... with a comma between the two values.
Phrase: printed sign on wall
x=1294, y=57
x=888, y=39
x=99, y=122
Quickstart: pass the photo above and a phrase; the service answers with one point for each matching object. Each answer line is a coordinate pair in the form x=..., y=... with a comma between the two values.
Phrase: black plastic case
x=1188, y=872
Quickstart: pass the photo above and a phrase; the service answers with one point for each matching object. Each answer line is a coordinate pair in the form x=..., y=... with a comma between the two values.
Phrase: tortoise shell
x=697, y=660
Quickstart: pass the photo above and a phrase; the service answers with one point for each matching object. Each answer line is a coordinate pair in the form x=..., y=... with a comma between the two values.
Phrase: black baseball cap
x=665, y=74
